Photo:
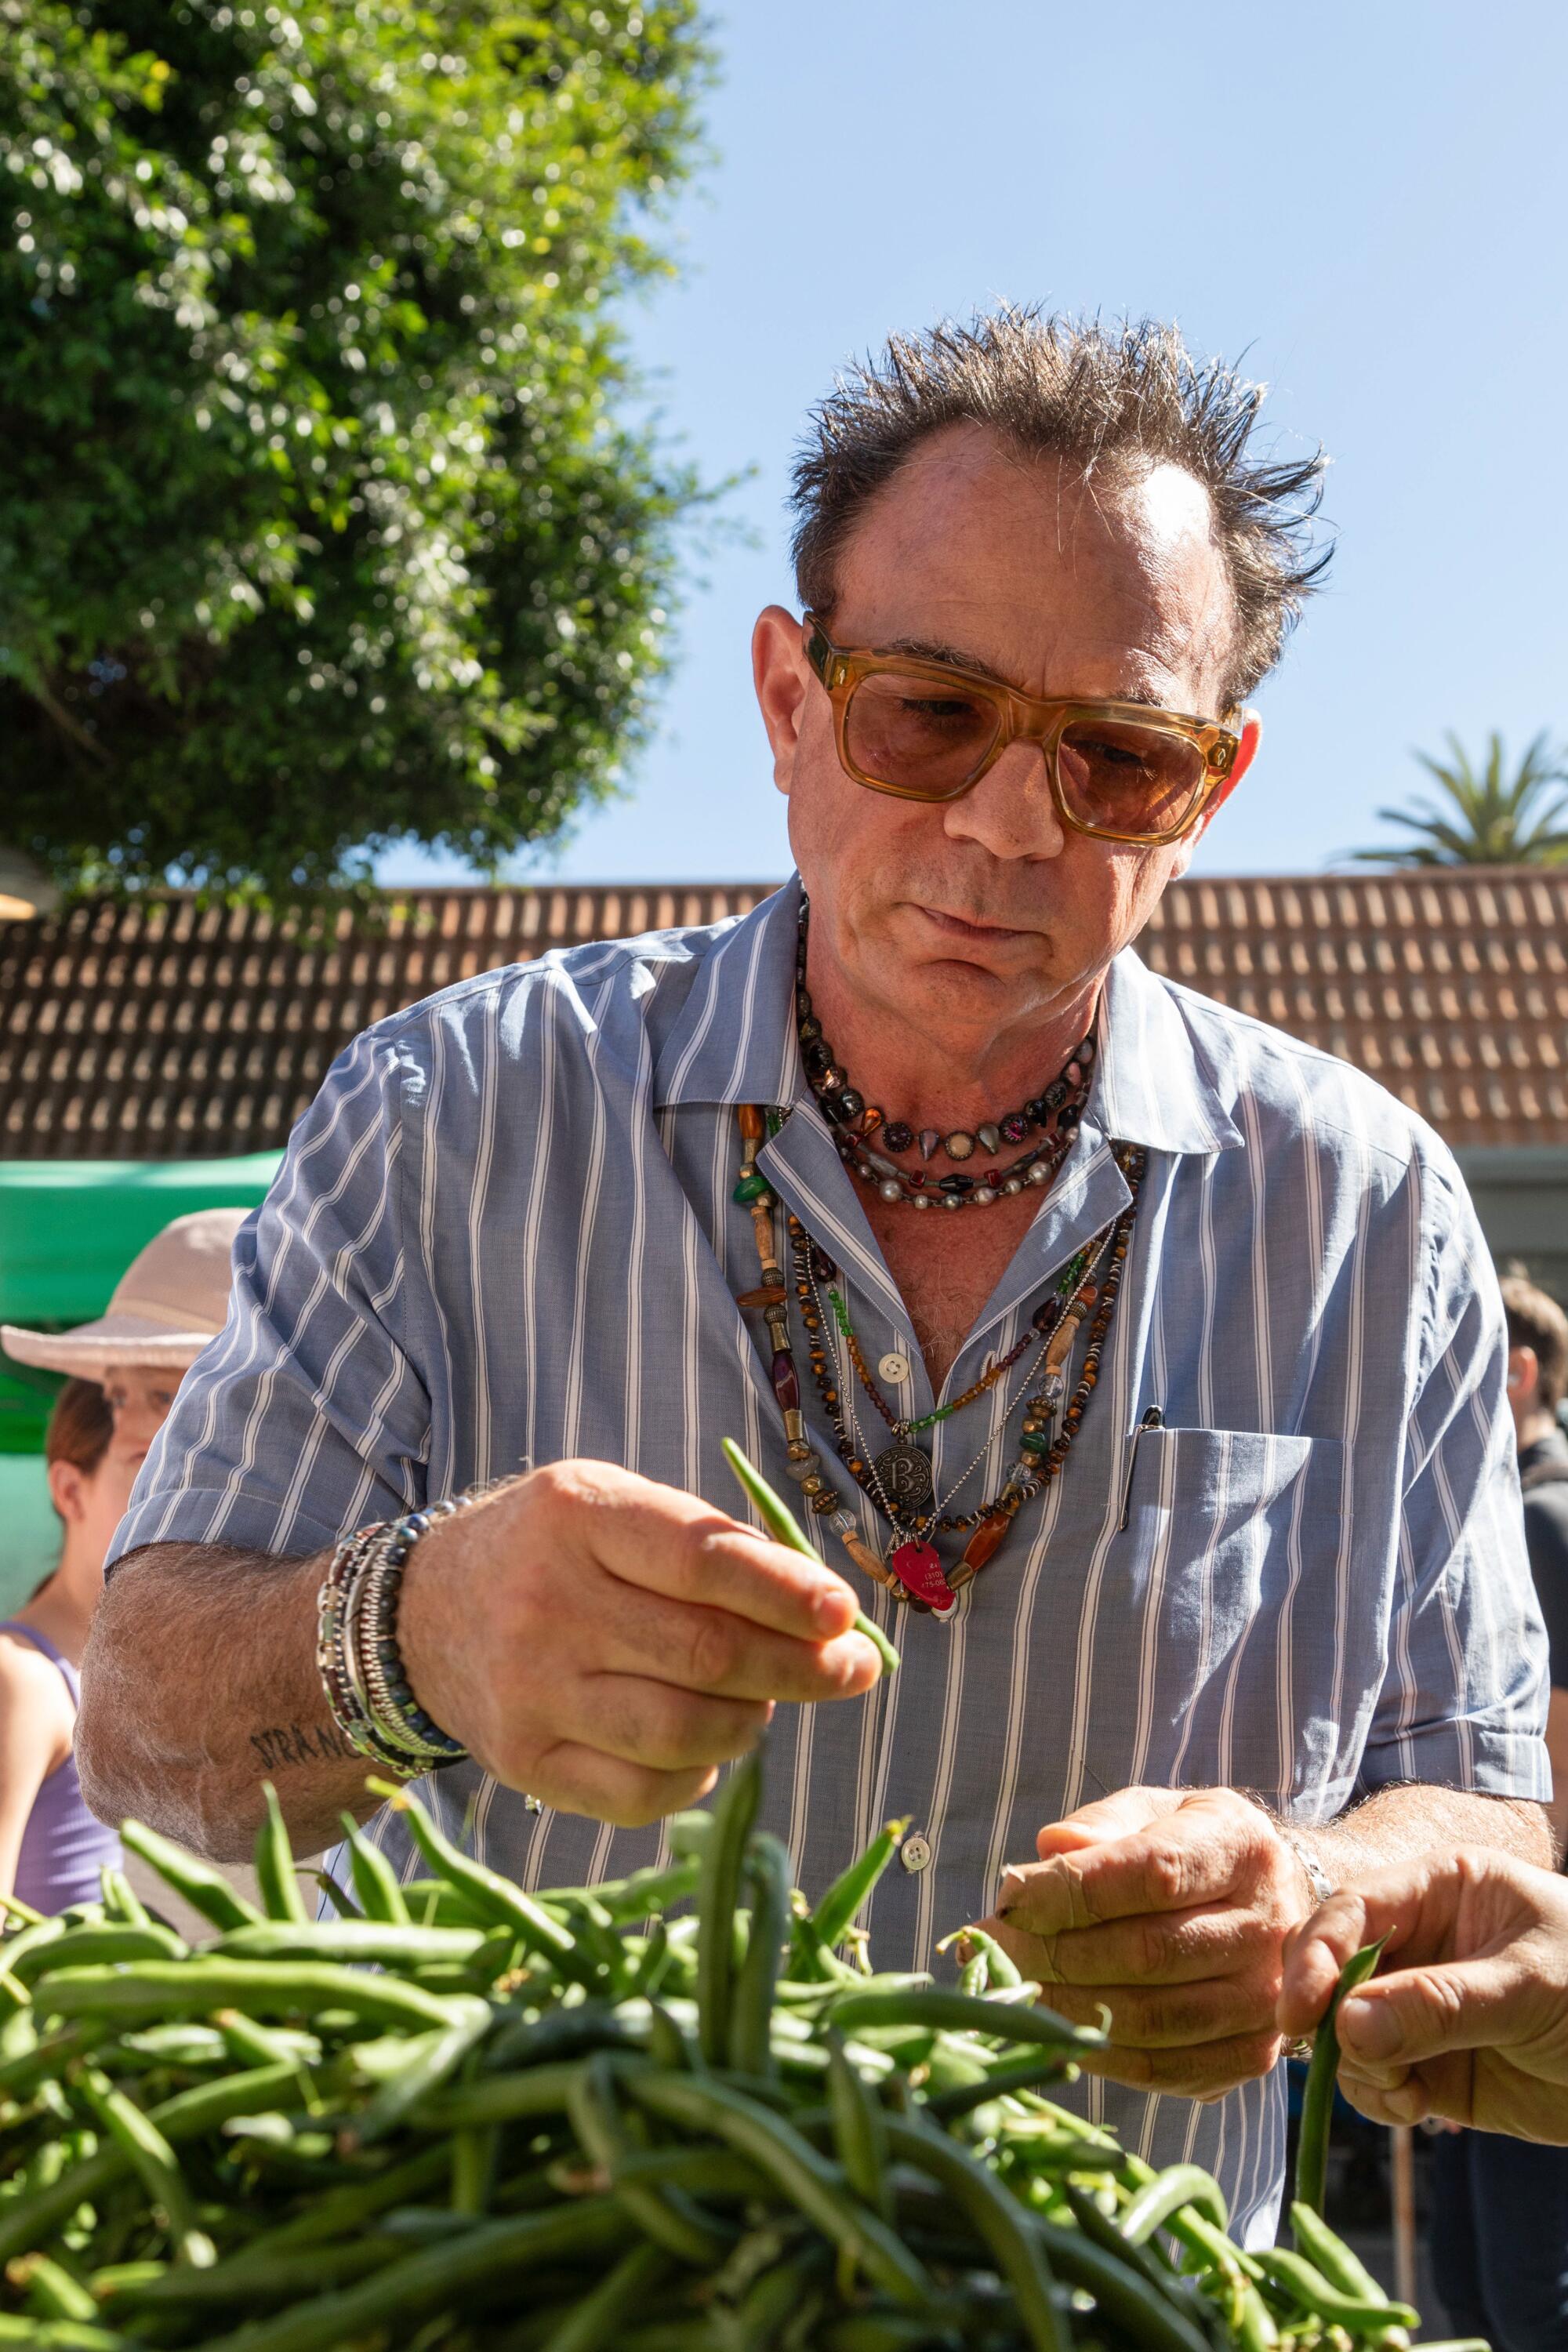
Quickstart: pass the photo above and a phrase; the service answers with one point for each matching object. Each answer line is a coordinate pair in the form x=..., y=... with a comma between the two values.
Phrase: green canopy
x=69, y=1229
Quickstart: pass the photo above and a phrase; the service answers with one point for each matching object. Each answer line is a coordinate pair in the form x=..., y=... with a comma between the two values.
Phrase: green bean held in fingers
x=1322, y=2073
x=782, y=1526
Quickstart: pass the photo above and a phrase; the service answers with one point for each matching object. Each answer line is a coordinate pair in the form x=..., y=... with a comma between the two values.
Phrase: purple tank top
x=63, y=1845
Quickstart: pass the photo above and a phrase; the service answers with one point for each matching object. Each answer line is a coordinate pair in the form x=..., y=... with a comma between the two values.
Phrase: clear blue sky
x=1368, y=200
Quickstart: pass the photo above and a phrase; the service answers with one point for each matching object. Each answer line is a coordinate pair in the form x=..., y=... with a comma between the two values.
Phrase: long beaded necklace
x=1056, y=1111
x=914, y=1572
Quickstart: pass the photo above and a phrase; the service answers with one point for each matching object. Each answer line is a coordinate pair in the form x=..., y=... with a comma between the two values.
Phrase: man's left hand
x=1167, y=1908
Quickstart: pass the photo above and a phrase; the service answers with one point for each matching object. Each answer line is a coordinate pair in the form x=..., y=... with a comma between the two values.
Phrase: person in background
x=1537, y=1379
x=1497, y=2226
x=51, y=1848
x=125, y=1368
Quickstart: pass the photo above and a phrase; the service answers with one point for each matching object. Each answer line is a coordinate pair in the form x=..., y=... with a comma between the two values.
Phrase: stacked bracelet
x=360, y=1666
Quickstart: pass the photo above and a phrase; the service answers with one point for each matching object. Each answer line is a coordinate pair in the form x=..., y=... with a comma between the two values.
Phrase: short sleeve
x=307, y=1416
x=1463, y=1702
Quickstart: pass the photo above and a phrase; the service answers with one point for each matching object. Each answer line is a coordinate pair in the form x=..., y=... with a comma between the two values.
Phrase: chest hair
x=947, y=1265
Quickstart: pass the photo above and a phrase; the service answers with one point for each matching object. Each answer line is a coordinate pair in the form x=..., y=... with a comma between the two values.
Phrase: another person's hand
x=1167, y=1908
x=604, y=1643
x=1468, y=2017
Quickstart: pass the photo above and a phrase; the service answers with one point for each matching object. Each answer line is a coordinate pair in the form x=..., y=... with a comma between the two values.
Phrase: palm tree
x=1493, y=819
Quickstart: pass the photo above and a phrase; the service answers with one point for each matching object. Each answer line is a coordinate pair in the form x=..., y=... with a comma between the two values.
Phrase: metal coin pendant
x=903, y=1473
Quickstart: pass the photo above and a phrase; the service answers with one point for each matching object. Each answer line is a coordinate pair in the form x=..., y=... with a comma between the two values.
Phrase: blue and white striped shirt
x=504, y=1235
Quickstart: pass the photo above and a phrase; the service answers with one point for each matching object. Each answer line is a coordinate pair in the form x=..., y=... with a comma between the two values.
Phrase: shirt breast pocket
x=1234, y=1539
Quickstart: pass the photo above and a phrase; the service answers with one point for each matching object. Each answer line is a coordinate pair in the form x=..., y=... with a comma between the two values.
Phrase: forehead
x=1060, y=585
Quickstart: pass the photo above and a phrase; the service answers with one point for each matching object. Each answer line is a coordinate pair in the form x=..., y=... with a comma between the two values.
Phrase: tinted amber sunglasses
x=928, y=731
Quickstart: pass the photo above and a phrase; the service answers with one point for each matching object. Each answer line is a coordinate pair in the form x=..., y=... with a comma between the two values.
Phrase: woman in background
x=51, y=1848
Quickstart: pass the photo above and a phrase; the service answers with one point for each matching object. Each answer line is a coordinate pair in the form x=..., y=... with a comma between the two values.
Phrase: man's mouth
x=962, y=927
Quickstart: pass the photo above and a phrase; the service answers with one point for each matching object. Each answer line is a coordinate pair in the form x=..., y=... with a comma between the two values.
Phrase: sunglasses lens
x=925, y=736
x=1122, y=778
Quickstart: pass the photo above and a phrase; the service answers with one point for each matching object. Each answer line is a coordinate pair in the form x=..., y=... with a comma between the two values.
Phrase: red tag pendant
x=918, y=1566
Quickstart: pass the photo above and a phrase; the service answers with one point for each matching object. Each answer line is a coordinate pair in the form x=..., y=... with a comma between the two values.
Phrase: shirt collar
x=734, y=1041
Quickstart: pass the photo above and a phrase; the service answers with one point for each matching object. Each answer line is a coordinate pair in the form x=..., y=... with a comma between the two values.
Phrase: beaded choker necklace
x=1053, y=1113
x=914, y=1572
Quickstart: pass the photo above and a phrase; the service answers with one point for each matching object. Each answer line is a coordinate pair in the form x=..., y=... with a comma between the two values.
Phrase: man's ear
x=1247, y=752
x=781, y=677
x=1523, y=1375
x=68, y=1491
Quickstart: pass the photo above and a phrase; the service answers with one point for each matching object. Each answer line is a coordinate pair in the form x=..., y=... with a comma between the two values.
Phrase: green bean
x=380, y=1941
x=432, y=2059
x=1318, y=2100
x=181, y=2118
x=376, y=1882
x=804, y=2177
x=946, y=2010
x=645, y=1890
x=203, y=1887
x=859, y=2129
x=1002, y=1970
x=595, y=2322
x=558, y=2033
x=500, y=2098
x=121, y=1903
x=723, y=1858
x=851, y=1890
x=1328, y=2252
x=884, y=2331
x=62, y=2335
x=782, y=1525
x=278, y=2278
x=1181, y=2185
x=51, y=2291
x=152, y=2159
x=996, y=2218
x=669, y=2221
x=273, y=1863
x=997, y=2082
x=493, y=1899
x=421, y=2283
x=1131, y=2301
x=12, y=1907
x=88, y=1946
x=272, y=1987
x=703, y=2171
x=348, y=2208
x=1306, y=2286
x=771, y=1878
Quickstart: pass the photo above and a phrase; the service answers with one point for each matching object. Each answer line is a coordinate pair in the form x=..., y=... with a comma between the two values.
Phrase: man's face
x=140, y=1400
x=974, y=915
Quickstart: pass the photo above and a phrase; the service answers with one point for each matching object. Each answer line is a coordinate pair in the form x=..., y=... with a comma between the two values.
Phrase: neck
x=64, y=1609
x=1535, y=1426
x=951, y=1079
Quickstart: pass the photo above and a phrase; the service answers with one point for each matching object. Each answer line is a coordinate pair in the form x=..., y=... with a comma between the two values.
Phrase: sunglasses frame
x=1021, y=717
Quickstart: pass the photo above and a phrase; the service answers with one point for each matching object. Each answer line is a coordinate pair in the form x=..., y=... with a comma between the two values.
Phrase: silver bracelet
x=1319, y=1886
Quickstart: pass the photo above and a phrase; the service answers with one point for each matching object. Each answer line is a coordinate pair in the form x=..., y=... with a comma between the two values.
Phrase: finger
x=652, y=1724
x=666, y=1541
x=1188, y=1858
x=1414, y=1906
x=707, y=1649
x=1203, y=2070
x=1405, y=2102
x=1109, y=1817
x=1168, y=2016
x=1420, y=2013
x=579, y=1780
x=1160, y=1948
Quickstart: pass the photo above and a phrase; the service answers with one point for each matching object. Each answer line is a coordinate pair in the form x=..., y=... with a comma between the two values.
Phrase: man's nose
x=1010, y=812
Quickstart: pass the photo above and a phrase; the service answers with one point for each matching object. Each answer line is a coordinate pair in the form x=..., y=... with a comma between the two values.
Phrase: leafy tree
x=1491, y=818
x=326, y=515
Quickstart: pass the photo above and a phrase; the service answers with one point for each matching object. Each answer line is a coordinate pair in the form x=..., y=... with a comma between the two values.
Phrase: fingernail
x=1368, y=2027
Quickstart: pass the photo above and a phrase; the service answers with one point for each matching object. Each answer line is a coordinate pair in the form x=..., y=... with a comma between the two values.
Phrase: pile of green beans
x=676, y=2114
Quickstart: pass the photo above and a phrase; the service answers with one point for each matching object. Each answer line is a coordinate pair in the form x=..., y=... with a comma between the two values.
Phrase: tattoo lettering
x=293, y=1744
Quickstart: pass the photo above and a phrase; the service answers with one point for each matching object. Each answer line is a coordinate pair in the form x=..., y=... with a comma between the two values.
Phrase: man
x=1186, y=1362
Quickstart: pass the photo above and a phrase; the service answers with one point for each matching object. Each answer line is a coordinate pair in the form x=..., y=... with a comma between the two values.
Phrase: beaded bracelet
x=357, y=1655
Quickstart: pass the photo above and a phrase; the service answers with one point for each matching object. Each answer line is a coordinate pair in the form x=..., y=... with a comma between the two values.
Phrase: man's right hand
x=604, y=1643
x=1471, y=2021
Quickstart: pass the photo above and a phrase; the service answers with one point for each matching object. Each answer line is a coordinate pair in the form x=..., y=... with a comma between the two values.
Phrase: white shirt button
x=915, y=1851
x=893, y=1366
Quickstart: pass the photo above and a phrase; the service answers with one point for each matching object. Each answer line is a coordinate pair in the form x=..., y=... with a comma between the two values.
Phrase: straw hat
x=171, y=1300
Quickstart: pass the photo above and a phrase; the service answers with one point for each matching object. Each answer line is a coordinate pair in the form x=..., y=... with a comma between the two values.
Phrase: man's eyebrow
x=955, y=658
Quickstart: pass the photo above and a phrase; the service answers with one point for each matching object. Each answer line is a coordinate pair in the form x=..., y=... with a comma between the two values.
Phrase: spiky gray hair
x=1114, y=402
